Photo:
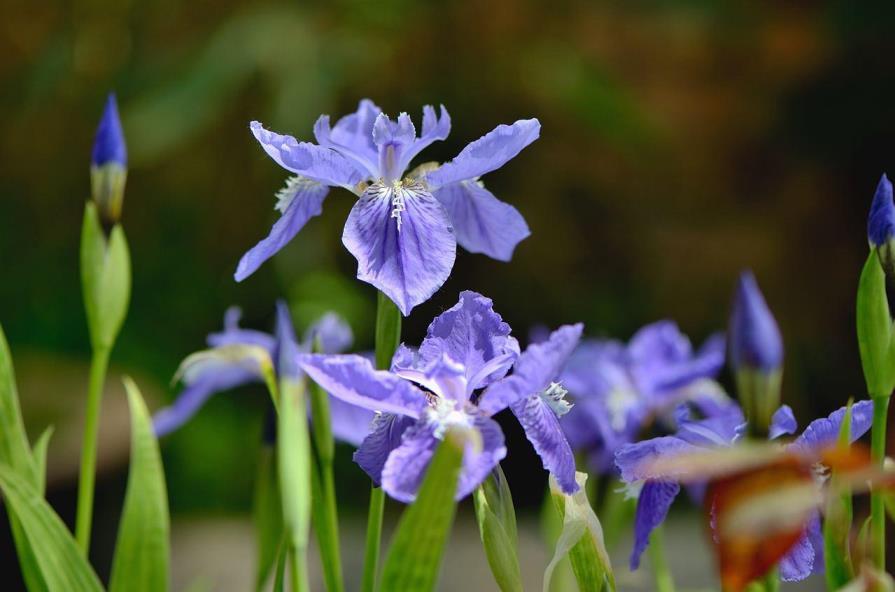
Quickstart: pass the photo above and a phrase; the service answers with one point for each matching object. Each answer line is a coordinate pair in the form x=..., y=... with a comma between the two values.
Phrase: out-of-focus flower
x=619, y=389
x=756, y=354
x=755, y=342
x=404, y=228
x=237, y=357
x=108, y=164
x=438, y=386
x=656, y=496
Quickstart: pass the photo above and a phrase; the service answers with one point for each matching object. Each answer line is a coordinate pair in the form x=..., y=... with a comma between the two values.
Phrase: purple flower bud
x=109, y=144
x=881, y=221
x=108, y=167
x=755, y=341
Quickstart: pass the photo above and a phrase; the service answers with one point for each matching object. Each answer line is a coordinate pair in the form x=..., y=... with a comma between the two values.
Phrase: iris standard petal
x=488, y=153
x=435, y=129
x=353, y=379
x=234, y=334
x=300, y=200
x=783, y=422
x=317, y=163
x=403, y=242
x=331, y=332
x=540, y=364
x=109, y=145
x=473, y=335
x=384, y=436
x=352, y=136
x=483, y=223
x=825, y=431
x=653, y=504
x=197, y=393
x=542, y=429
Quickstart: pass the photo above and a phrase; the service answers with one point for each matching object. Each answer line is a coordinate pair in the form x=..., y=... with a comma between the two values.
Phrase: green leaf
x=875, y=329
x=388, y=330
x=293, y=452
x=267, y=516
x=61, y=564
x=838, y=520
x=105, y=278
x=14, y=449
x=39, y=454
x=414, y=557
x=497, y=527
x=142, y=553
x=581, y=540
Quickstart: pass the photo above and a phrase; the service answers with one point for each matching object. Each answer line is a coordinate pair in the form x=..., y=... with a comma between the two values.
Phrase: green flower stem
x=87, y=479
x=324, y=494
x=661, y=571
x=298, y=570
x=388, y=336
x=374, y=534
x=877, y=501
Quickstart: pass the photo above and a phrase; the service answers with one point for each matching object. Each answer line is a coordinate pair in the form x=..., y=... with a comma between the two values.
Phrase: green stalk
x=877, y=501
x=298, y=570
x=388, y=336
x=374, y=534
x=661, y=571
x=99, y=364
x=323, y=498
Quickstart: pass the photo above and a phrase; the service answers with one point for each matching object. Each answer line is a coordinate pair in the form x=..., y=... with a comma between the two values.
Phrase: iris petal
x=306, y=201
x=483, y=223
x=353, y=379
x=543, y=431
x=383, y=437
x=488, y=153
x=403, y=243
x=653, y=504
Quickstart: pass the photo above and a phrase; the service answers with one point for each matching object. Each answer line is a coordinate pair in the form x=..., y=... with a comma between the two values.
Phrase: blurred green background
x=682, y=141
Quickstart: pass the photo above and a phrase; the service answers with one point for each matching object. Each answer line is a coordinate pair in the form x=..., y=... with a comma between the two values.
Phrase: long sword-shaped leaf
x=142, y=553
x=581, y=540
x=30, y=570
x=414, y=557
x=61, y=564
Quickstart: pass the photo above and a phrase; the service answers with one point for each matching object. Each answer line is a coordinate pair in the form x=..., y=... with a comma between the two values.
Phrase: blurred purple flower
x=655, y=496
x=755, y=341
x=350, y=424
x=619, y=389
x=437, y=386
x=403, y=229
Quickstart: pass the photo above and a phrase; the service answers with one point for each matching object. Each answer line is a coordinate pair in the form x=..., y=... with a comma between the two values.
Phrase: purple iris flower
x=656, y=496
x=404, y=228
x=350, y=423
x=439, y=385
x=881, y=221
x=619, y=389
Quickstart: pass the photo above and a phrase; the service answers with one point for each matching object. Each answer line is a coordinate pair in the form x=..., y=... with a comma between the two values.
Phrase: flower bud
x=756, y=354
x=108, y=165
x=881, y=226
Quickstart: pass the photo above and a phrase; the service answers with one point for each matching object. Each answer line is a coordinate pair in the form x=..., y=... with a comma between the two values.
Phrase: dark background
x=682, y=141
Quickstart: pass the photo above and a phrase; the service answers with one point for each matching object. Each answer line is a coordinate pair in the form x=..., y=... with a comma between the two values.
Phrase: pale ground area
x=218, y=554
